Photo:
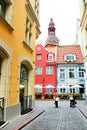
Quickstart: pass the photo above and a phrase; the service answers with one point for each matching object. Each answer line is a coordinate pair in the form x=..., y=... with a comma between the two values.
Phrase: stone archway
x=26, y=77
x=5, y=70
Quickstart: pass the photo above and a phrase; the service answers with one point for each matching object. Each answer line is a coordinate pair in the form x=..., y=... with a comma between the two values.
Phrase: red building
x=45, y=78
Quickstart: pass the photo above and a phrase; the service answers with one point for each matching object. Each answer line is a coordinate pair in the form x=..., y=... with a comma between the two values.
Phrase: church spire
x=52, y=39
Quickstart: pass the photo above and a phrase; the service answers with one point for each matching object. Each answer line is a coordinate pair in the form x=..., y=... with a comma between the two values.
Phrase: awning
x=76, y=86
x=38, y=86
x=49, y=86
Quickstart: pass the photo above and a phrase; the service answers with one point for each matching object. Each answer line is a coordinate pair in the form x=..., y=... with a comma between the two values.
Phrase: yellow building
x=83, y=24
x=19, y=28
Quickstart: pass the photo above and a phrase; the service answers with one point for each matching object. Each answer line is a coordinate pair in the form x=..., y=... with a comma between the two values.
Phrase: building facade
x=45, y=78
x=58, y=67
x=70, y=69
x=83, y=25
x=19, y=29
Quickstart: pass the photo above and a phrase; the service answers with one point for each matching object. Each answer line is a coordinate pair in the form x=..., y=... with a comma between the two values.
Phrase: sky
x=64, y=14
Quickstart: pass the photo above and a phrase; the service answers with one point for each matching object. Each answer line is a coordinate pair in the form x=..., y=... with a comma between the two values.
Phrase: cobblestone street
x=62, y=118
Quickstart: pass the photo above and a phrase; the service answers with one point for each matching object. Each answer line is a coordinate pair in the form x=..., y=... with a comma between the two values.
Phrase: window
x=84, y=2
x=49, y=70
x=37, y=7
x=39, y=71
x=50, y=56
x=62, y=73
x=70, y=58
x=62, y=90
x=2, y=8
x=28, y=32
x=48, y=90
x=81, y=72
x=38, y=88
x=71, y=73
x=72, y=90
x=6, y=10
x=23, y=74
x=38, y=56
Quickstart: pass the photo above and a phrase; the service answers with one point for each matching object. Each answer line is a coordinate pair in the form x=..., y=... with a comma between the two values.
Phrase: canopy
x=76, y=86
x=38, y=86
x=49, y=86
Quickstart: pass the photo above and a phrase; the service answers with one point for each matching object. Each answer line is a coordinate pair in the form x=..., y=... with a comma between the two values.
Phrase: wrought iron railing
x=26, y=104
x=1, y=109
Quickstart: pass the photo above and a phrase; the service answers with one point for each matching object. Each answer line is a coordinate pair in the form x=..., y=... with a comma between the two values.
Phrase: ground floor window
x=49, y=90
x=38, y=88
x=62, y=90
x=72, y=90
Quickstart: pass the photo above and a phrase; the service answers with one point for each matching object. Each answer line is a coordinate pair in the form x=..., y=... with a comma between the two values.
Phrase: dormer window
x=50, y=56
x=70, y=58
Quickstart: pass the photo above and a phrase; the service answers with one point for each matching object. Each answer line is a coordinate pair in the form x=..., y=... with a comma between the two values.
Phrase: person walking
x=56, y=101
x=71, y=100
x=74, y=101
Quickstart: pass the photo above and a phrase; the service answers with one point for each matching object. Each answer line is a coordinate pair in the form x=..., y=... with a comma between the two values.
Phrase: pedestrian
x=71, y=100
x=56, y=101
x=74, y=101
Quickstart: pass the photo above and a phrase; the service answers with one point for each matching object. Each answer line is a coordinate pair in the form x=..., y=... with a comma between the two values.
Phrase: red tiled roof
x=70, y=49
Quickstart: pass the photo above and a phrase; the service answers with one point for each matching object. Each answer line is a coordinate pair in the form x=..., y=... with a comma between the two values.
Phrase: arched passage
x=25, y=82
x=5, y=70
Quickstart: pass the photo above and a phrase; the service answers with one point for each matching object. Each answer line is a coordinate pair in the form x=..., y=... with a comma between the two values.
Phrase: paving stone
x=62, y=118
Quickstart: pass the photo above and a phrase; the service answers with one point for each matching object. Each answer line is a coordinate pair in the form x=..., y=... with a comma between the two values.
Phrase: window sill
x=25, y=43
x=7, y=24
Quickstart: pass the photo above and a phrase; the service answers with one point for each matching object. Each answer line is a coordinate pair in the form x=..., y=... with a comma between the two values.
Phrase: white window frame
x=62, y=73
x=49, y=70
x=81, y=72
x=28, y=32
x=50, y=56
x=38, y=70
x=70, y=57
x=38, y=88
x=72, y=73
x=39, y=57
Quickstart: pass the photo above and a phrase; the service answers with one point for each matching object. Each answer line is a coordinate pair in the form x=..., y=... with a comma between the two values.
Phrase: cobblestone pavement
x=62, y=118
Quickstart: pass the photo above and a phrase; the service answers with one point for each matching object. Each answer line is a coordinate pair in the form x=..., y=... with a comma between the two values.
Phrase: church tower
x=52, y=39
